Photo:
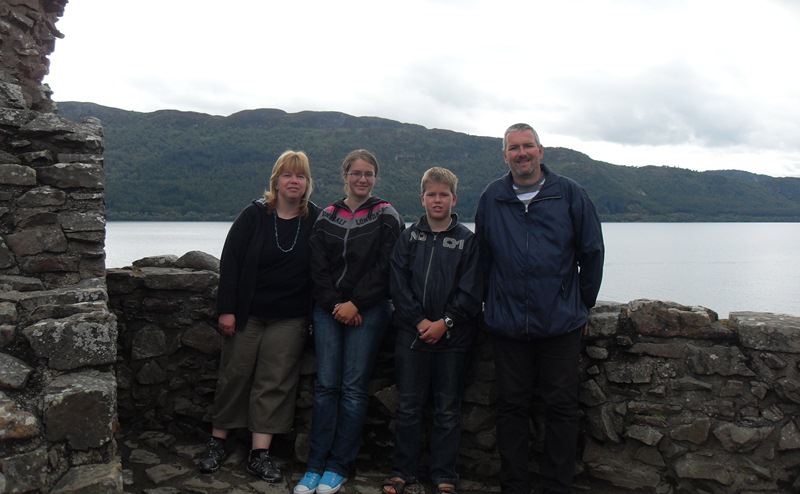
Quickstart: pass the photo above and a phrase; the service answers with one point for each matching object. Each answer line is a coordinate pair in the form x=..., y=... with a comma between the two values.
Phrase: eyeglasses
x=358, y=175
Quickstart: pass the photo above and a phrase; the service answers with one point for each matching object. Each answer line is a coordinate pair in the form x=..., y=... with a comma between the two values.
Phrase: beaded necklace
x=277, y=241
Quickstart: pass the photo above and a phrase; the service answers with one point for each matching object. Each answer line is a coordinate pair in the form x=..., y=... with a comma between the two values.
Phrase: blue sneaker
x=330, y=482
x=308, y=484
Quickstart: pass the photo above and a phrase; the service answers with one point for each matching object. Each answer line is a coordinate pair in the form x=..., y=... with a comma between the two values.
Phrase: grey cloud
x=666, y=105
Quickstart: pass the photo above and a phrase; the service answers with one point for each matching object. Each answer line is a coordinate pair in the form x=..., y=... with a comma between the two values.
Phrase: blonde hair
x=289, y=162
x=439, y=175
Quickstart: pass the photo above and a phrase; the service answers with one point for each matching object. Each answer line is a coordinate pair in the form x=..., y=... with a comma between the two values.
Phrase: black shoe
x=214, y=456
x=261, y=465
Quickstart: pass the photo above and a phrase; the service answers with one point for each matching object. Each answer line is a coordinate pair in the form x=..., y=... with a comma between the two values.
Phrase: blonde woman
x=264, y=304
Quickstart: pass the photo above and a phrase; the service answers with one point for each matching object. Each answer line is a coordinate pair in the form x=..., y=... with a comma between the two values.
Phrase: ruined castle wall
x=673, y=399
x=57, y=336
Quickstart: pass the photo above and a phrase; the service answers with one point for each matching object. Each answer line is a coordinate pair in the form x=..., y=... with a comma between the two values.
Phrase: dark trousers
x=420, y=374
x=552, y=365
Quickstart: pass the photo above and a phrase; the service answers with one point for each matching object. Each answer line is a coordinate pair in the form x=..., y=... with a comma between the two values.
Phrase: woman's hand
x=227, y=324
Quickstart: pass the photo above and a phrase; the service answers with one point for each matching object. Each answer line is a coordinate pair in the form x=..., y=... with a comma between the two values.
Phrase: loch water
x=725, y=267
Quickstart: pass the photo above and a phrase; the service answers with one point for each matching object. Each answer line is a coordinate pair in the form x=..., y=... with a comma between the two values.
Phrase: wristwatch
x=448, y=322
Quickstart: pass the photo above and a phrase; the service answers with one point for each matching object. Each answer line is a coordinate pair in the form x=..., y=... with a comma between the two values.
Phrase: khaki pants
x=258, y=376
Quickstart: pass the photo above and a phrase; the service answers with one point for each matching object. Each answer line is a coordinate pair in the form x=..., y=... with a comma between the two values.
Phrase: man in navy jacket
x=542, y=252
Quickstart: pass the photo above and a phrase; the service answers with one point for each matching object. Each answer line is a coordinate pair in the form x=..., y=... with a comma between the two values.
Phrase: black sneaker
x=261, y=466
x=214, y=456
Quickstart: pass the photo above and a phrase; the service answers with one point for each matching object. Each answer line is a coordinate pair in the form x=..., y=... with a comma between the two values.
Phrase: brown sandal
x=446, y=489
x=396, y=483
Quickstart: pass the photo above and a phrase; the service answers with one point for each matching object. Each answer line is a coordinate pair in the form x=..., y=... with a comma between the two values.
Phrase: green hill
x=182, y=166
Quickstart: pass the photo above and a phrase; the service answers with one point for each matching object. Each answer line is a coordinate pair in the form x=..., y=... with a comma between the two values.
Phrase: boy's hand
x=431, y=332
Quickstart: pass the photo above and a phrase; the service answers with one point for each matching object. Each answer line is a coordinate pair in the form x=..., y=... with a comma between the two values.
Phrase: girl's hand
x=346, y=313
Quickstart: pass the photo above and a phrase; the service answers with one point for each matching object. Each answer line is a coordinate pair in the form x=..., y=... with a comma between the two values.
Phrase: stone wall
x=673, y=399
x=57, y=336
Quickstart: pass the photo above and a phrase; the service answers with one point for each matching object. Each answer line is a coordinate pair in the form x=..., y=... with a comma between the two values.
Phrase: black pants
x=553, y=365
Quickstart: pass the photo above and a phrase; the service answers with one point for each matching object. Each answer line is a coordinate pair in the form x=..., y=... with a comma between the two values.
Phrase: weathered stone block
x=16, y=423
x=77, y=221
x=665, y=350
x=721, y=360
x=15, y=117
x=790, y=437
x=11, y=96
x=591, y=394
x=14, y=283
x=42, y=196
x=638, y=372
x=736, y=439
x=604, y=319
x=481, y=393
x=80, y=408
x=767, y=331
x=14, y=373
x=103, y=478
x=670, y=320
x=694, y=466
x=49, y=264
x=178, y=279
x=151, y=373
x=7, y=334
x=26, y=472
x=8, y=313
x=199, y=261
x=788, y=389
x=75, y=341
x=475, y=418
x=202, y=337
x=148, y=342
x=16, y=174
x=604, y=424
x=618, y=468
x=696, y=432
x=89, y=291
x=37, y=240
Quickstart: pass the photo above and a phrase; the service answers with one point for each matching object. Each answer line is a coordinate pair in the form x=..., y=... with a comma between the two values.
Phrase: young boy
x=436, y=287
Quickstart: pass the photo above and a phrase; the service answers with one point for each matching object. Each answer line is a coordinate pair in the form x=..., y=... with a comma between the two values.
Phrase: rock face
x=58, y=339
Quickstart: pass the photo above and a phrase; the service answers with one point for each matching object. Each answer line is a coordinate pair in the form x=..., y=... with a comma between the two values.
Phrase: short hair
x=354, y=156
x=439, y=175
x=520, y=127
x=289, y=162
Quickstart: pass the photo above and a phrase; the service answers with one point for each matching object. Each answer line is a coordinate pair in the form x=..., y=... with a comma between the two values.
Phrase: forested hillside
x=181, y=166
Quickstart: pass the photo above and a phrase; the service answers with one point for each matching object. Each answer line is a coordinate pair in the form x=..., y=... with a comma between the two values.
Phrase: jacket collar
x=422, y=223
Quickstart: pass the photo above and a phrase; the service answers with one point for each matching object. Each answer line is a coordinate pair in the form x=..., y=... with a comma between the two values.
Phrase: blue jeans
x=552, y=365
x=345, y=358
x=418, y=374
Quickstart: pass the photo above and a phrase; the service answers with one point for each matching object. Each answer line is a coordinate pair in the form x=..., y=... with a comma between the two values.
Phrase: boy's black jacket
x=434, y=275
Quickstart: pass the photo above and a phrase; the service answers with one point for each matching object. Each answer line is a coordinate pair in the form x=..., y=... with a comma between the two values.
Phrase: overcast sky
x=698, y=84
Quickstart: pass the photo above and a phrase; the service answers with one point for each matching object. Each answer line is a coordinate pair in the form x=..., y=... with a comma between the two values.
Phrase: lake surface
x=723, y=266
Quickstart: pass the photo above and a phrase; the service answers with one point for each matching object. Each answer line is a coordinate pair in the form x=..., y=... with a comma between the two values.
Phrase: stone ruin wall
x=674, y=400
x=57, y=335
